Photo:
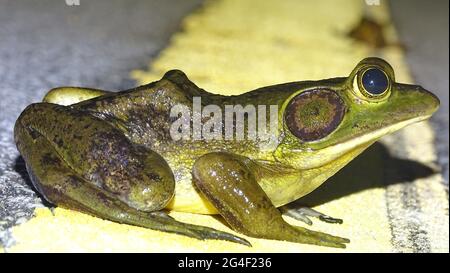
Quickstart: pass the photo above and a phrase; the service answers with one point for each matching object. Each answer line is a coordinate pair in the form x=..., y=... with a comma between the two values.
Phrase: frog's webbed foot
x=229, y=184
x=303, y=214
x=195, y=231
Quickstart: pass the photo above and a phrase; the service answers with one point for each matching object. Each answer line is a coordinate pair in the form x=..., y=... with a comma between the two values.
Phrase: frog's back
x=143, y=114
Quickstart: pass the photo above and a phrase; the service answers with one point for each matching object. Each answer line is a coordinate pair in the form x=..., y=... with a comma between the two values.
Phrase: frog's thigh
x=101, y=154
x=62, y=186
x=231, y=187
x=71, y=95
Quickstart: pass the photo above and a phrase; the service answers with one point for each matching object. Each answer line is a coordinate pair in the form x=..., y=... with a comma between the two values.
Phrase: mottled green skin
x=112, y=156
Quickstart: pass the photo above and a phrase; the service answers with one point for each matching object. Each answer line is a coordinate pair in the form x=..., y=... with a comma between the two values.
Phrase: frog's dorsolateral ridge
x=113, y=155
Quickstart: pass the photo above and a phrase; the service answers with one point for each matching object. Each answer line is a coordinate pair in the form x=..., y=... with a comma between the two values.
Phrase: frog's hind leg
x=229, y=184
x=303, y=214
x=63, y=186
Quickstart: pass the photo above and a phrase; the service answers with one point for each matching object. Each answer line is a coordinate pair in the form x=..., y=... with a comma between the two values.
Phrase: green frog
x=113, y=154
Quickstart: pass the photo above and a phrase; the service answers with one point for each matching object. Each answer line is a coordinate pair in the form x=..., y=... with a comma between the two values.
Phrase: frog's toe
x=296, y=214
x=205, y=233
x=323, y=239
x=303, y=214
x=193, y=231
x=52, y=210
x=331, y=220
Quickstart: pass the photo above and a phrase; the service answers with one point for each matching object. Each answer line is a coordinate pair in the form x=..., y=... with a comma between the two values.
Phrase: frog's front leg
x=123, y=184
x=230, y=185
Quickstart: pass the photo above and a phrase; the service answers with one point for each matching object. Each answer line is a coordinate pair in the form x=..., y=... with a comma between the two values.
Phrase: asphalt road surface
x=46, y=43
x=423, y=28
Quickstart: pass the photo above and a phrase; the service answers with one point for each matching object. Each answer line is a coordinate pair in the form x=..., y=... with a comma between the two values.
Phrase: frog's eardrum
x=314, y=114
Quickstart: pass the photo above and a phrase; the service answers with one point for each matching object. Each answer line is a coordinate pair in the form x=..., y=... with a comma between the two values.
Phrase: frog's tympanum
x=111, y=154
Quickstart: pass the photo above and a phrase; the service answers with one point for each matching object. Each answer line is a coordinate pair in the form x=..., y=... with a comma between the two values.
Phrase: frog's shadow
x=374, y=168
x=21, y=169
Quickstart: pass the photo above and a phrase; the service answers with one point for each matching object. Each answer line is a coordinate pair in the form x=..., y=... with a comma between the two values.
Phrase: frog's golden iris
x=111, y=155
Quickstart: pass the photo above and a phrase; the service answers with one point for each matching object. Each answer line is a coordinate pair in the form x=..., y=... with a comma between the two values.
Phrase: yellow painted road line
x=232, y=46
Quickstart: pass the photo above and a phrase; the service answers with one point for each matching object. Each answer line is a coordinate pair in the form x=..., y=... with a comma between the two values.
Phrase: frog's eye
x=374, y=83
x=314, y=114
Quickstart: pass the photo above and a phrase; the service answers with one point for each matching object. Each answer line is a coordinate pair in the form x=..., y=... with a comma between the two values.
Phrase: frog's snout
x=432, y=100
x=417, y=98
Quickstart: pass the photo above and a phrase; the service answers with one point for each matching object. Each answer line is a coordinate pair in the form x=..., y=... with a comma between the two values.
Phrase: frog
x=112, y=154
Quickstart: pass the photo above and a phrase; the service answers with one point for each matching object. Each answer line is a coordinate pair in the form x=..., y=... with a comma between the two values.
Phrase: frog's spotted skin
x=111, y=154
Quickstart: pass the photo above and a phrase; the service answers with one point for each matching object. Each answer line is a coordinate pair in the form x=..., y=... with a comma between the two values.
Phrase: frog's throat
x=304, y=182
x=317, y=158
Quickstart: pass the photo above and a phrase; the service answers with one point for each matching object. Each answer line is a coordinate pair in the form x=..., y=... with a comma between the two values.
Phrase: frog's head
x=329, y=119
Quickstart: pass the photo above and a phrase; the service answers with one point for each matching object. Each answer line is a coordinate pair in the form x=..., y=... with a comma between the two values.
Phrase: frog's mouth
x=346, y=146
x=321, y=157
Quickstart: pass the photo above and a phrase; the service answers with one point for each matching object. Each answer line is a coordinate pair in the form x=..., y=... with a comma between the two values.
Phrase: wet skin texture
x=111, y=154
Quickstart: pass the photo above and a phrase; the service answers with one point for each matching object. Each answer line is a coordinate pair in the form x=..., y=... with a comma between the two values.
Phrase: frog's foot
x=230, y=185
x=169, y=224
x=303, y=214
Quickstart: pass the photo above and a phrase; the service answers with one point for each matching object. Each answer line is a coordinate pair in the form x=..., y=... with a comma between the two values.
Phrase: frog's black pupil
x=375, y=81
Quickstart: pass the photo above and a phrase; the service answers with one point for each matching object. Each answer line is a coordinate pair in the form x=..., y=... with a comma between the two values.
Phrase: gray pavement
x=424, y=29
x=44, y=44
